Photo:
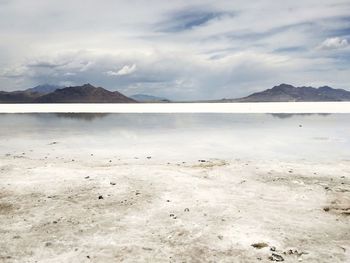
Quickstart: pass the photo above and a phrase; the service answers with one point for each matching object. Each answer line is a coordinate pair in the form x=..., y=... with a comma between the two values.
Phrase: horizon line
x=246, y=107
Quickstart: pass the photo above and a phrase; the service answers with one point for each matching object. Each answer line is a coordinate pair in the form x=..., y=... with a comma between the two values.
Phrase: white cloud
x=223, y=48
x=126, y=70
x=334, y=43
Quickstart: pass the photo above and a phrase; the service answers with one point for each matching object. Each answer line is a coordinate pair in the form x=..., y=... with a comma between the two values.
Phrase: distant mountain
x=18, y=97
x=44, y=89
x=84, y=94
x=148, y=98
x=55, y=94
x=288, y=93
x=90, y=94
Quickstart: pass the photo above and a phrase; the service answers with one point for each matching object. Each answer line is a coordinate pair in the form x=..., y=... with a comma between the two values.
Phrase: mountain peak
x=86, y=93
x=283, y=86
x=325, y=88
x=88, y=85
x=286, y=92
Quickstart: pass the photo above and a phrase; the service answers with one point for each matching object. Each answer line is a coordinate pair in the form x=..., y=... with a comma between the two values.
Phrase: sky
x=179, y=49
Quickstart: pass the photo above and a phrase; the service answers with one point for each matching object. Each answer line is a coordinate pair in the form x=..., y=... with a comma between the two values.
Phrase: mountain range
x=90, y=94
x=44, y=89
x=148, y=98
x=55, y=94
x=289, y=93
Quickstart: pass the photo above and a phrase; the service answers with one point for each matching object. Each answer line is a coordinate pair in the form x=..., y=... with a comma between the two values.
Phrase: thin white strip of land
x=260, y=107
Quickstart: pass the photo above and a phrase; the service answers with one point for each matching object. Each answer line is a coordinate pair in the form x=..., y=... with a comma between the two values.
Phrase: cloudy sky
x=180, y=49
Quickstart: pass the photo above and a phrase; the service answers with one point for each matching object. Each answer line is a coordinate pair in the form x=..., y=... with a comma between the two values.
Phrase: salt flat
x=174, y=187
x=261, y=107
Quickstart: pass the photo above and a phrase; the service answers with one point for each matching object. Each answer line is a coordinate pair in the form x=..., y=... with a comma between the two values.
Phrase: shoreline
x=246, y=107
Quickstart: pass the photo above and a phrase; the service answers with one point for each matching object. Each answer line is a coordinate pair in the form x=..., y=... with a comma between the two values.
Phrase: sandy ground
x=59, y=209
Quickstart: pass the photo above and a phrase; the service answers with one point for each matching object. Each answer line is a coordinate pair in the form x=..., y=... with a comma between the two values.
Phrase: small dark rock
x=259, y=245
x=149, y=157
x=187, y=210
x=100, y=197
x=112, y=183
x=326, y=209
x=87, y=177
x=276, y=257
x=291, y=252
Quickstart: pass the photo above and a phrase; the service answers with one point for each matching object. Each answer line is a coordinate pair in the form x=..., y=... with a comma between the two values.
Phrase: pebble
x=276, y=257
x=259, y=245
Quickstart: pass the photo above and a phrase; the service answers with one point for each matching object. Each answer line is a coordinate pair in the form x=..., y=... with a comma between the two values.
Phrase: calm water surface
x=180, y=136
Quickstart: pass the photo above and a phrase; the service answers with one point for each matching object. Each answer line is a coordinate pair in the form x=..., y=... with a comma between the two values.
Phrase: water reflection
x=82, y=116
x=290, y=115
x=177, y=136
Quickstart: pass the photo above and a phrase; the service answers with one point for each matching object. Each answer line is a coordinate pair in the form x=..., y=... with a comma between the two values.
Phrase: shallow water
x=311, y=137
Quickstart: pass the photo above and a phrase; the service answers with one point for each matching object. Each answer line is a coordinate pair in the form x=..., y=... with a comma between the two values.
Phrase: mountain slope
x=84, y=94
x=44, y=89
x=18, y=97
x=289, y=93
